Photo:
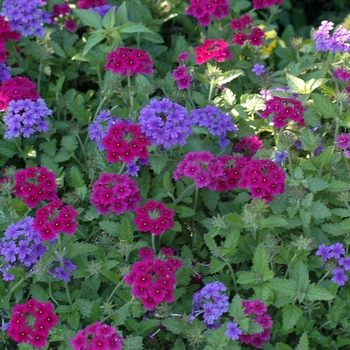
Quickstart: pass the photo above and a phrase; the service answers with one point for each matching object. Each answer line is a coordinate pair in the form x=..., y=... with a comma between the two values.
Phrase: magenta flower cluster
x=343, y=142
x=125, y=142
x=281, y=109
x=248, y=145
x=211, y=302
x=260, y=4
x=20, y=246
x=35, y=184
x=165, y=123
x=342, y=74
x=129, y=61
x=115, y=193
x=153, y=280
x=97, y=336
x=154, y=217
x=204, y=9
x=26, y=118
x=245, y=32
x=216, y=121
x=54, y=218
x=31, y=322
x=257, y=311
x=336, y=253
x=183, y=79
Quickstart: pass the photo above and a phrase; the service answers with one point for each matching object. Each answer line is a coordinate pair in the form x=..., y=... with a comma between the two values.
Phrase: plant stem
x=177, y=200
x=113, y=291
x=82, y=147
x=50, y=294
x=324, y=276
x=14, y=288
x=130, y=96
x=39, y=76
x=290, y=164
x=99, y=107
x=115, y=312
x=61, y=254
x=290, y=263
x=196, y=193
x=211, y=90
x=233, y=277
x=154, y=243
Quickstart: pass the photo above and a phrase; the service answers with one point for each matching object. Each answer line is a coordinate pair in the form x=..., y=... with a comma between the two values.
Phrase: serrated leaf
x=324, y=106
x=167, y=182
x=183, y=275
x=81, y=248
x=254, y=327
x=184, y=212
x=49, y=147
x=199, y=99
x=173, y=325
x=84, y=306
x=110, y=227
x=316, y=184
x=39, y=293
x=305, y=217
x=158, y=162
x=78, y=111
x=290, y=316
x=130, y=27
x=261, y=264
x=296, y=84
x=319, y=211
x=314, y=293
x=180, y=46
x=338, y=186
x=211, y=199
x=247, y=278
x=272, y=221
x=216, y=265
x=76, y=177
x=96, y=37
x=284, y=286
x=126, y=231
x=229, y=76
x=8, y=149
x=90, y=18
x=300, y=274
x=236, y=309
x=333, y=229
x=342, y=212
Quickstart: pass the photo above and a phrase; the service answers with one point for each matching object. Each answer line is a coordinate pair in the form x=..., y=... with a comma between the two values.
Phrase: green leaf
x=39, y=293
x=319, y=211
x=324, y=106
x=108, y=20
x=254, y=327
x=180, y=46
x=76, y=177
x=79, y=112
x=211, y=199
x=216, y=265
x=272, y=221
x=96, y=37
x=158, y=162
x=229, y=76
x=110, y=227
x=303, y=342
x=290, y=316
x=284, y=286
x=333, y=229
x=81, y=248
x=126, y=231
x=247, y=278
x=167, y=182
x=184, y=212
x=130, y=27
x=296, y=84
x=49, y=147
x=199, y=99
x=236, y=309
x=121, y=16
x=173, y=325
x=8, y=149
x=309, y=140
x=84, y=306
x=316, y=184
x=69, y=143
x=314, y=293
x=90, y=18
x=261, y=264
x=338, y=186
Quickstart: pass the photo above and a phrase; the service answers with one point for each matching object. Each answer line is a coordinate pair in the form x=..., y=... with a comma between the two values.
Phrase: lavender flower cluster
x=339, y=41
x=211, y=302
x=165, y=123
x=335, y=253
x=62, y=272
x=103, y=9
x=26, y=16
x=20, y=246
x=4, y=72
x=26, y=117
x=217, y=121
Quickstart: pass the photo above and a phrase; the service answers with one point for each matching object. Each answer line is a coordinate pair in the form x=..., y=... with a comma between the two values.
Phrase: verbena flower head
x=212, y=49
x=183, y=56
x=281, y=156
x=102, y=10
x=258, y=69
x=26, y=17
x=126, y=60
x=339, y=41
x=165, y=123
x=20, y=246
x=31, y=323
x=125, y=142
x=4, y=72
x=260, y=4
x=233, y=331
x=97, y=336
x=54, y=218
x=343, y=141
x=203, y=10
x=182, y=78
x=87, y=4
x=5, y=34
x=153, y=280
x=210, y=302
x=26, y=118
x=62, y=272
x=154, y=217
x=35, y=184
x=342, y=74
x=282, y=109
x=115, y=193
x=248, y=145
x=216, y=121
x=16, y=89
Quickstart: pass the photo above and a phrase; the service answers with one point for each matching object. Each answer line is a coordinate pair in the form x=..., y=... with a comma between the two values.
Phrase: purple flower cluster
x=339, y=41
x=217, y=121
x=165, y=123
x=4, y=72
x=343, y=142
x=233, y=331
x=280, y=157
x=100, y=127
x=336, y=252
x=20, y=246
x=259, y=69
x=62, y=272
x=211, y=302
x=102, y=10
x=342, y=74
x=26, y=117
x=26, y=16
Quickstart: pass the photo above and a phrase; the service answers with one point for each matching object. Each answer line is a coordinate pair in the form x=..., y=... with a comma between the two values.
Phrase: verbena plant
x=173, y=176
